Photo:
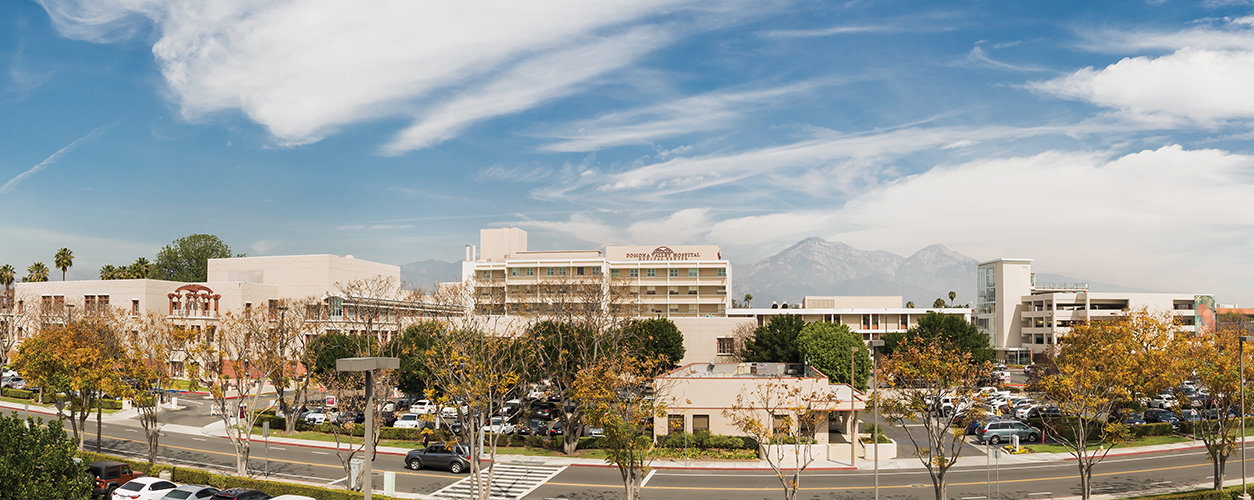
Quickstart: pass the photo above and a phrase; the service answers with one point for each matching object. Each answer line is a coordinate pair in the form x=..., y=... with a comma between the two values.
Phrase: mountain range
x=815, y=266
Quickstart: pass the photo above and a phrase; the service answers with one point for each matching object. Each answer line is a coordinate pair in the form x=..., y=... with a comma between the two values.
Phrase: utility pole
x=875, y=409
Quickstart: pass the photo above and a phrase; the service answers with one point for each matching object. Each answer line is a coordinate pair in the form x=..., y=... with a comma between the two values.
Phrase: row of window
x=596, y=271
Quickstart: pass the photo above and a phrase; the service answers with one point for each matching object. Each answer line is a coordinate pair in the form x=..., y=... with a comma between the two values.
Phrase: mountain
x=815, y=266
x=426, y=273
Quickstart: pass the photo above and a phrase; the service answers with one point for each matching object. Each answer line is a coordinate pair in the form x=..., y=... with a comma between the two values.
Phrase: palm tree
x=952, y=296
x=940, y=303
x=107, y=271
x=64, y=261
x=6, y=276
x=139, y=269
x=748, y=299
x=36, y=272
x=910, y=305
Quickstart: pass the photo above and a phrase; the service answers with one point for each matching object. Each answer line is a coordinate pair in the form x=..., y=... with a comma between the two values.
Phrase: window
x=613, y=273
x=674, y=424
x=674, y=273
x=135, y=307
x=674, y=308
x=692, y=290
x=700, y=423
x=652, y=290
x=579, y=271
x=672, y=290
x=722, y=290
x=722, y=272
x=248, y=309
x=692, y=273
x=531, y=271
x=726, y=346
x=513, y=271
x=905, y=321
x=635, y=273
x=487, y=275
x=561, y=271
x=596, y=271
x=548, y=271
x=650, y=273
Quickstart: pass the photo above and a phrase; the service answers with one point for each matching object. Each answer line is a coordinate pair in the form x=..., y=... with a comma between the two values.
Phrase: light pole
x=875, y=409
x=368, y=365
x=853, y=436
x=1245, y=495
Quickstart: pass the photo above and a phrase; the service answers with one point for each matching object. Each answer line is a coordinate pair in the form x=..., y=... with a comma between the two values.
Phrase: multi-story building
x=671, y=281
x=1022, y=317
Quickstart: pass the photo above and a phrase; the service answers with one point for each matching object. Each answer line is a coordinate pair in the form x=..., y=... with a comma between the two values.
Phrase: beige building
x=671, y=281
x=1023, y=317
x=697, y=394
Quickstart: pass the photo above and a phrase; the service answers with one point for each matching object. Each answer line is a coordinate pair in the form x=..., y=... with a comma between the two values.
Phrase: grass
x=397, y=443
x=1144, y=441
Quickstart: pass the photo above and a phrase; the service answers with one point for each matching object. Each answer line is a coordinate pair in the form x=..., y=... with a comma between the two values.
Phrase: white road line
x=1161, y=482
x=1041, y=493
x=973, y=498
x=320, y=453
x=200, y=439
x=647, y=478
x=342, y=479
x=131, y=430
x=277, y=448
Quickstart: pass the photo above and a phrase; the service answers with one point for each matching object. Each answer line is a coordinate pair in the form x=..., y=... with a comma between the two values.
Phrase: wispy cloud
x=519, y=174
x=8, y=186
x=978, y=57
x=705, y=112
x=834, y=30
x=373, y=227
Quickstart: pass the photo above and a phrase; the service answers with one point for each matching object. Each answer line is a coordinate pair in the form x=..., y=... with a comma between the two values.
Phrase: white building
x=1022, y=317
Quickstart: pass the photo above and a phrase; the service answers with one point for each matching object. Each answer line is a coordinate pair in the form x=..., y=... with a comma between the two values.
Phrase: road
x=969, y=481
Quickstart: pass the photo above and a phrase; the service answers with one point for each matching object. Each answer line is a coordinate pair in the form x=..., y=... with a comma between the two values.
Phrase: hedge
x=706, y=440
x=1229, y=493
x=1186, y=426
x=187, y=475
x=1142, y=430
x=17, y=393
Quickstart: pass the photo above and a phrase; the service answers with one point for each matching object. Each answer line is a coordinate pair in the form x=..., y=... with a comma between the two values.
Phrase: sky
x=1106, y=140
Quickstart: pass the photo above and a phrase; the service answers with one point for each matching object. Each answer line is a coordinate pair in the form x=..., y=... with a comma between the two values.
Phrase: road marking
x=1162, y=482
x=320, y=453
x=973, y=498
x=131, y=430
x=340, y=480
x=200, y=439
x=277, y=448
x=648, y=477
x=1041, y=493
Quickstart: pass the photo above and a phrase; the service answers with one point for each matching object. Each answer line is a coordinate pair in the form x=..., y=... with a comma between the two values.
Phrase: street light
x=1245, y=495
x=875, y=409
x=368, y=365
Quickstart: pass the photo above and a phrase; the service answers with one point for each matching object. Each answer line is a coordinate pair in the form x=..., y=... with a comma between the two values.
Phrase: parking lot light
x=368, y=365
x=1245, y=495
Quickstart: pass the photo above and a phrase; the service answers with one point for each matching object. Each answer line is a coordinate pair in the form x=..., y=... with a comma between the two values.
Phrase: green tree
x=36, y=272
x=187, y=258
x=952, y=295
x=651, y=338
x=938, y=303
x=108, y=272
x=139, y=269
x=776, y=341
x=826, y=346
x=64, y=260
x=37, y=461
x=748, y=299
x=411, y=346
x=330, y=346
x=7, y=275
x=910, y=305
x=951, y=329
x=612, y=401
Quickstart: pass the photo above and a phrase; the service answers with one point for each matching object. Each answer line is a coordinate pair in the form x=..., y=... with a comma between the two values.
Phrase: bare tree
x=783, y=418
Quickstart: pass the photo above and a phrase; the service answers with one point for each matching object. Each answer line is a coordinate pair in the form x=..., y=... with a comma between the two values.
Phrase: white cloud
x=710, y=111
x=834, y=30
x=264, y=247
x=17, y=179
x=977, y=57
x=1201, y=86
x=303, y=68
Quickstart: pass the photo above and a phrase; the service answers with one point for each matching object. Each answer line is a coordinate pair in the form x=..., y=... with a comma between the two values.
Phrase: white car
x=510, y=407
x=498, y=425
x=408, y=421
x=450, y=412
x=422, y=407
x=143, y=488
x=316, y=418
x=8, y=373
x=1165, y=401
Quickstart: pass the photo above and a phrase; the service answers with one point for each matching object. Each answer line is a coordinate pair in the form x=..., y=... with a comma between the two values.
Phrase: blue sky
x=1106, y=140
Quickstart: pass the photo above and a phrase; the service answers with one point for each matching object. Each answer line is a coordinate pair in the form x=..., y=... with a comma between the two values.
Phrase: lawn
x=1144, y=441
x=396, y=443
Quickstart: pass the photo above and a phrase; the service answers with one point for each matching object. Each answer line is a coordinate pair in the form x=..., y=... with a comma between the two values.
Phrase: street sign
x=331, y=401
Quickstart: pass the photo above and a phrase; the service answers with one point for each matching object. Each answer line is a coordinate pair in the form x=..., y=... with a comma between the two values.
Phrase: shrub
x=534, y=441
x=17, y=393
x=1142, y=430
x=726, y=442
x=111, y=404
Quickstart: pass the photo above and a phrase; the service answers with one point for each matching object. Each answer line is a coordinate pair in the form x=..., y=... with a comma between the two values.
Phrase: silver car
x=1000, y=432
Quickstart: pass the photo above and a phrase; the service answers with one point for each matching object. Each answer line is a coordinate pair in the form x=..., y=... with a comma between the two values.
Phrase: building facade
x=1022, y=317
x=670, y=281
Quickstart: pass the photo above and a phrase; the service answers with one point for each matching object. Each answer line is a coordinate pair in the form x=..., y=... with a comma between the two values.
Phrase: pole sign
x=331, y=401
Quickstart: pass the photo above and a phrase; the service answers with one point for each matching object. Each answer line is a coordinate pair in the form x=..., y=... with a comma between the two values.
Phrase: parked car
x=1001, y=377
x=498, y=425
x=240, y=494
x=1001, y=431
x=1042, y=411
x=408, y=421
x=510, y=407
x=143, y=488
x=316, y=418
x=8, y=373
x=1164, y=400
x=109, y=476
x=533, y=426
x=190, y=492
x=422, y=407
x=1126, y=416
x=543, y=410
x=451, y=411
x=345, y=417
x=14, y=382
x=1190, y=415
x=1159, y=416
x=438, y=455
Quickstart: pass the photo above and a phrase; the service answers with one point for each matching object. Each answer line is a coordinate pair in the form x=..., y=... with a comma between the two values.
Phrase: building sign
x=1203, y=313
x=663, y=253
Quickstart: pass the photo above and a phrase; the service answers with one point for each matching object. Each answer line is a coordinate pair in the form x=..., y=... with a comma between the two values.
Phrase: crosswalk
x=509, y=482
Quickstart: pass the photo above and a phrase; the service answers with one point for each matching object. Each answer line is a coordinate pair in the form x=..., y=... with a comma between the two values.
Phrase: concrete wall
x=701, y=336
x=298, y=276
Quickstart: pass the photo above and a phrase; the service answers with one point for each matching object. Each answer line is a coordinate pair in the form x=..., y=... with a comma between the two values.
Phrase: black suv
x=438, y=455
x=1160, y=416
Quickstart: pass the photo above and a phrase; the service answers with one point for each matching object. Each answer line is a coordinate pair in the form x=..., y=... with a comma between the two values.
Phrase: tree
x=411, y=346
x=826, y=346
x=6, y=276
x=140, y=269
x=924, y=373
x=910, y=304
x=1100, y=366
x=776, y=341
x=613, y=399
x=656, y=338
x=64, y=260
x=782, y=417
x=952, y=295
x=955, y=331
x=36, y=272
x=565, y=350
x=1214, y=360
x=37, y=461
x=938, y=303
x=150, y=342
x=748, y=299
x=293, y=324
x=187, y=258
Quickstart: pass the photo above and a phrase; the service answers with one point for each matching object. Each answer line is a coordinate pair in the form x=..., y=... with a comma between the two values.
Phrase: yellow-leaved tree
x=1213, y=359
x=619, y=396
